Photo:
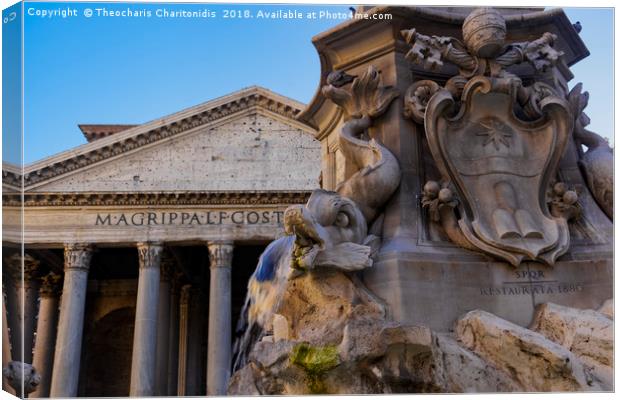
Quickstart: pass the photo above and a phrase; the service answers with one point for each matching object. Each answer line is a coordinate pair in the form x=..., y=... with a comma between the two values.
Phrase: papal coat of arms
x=500, y=166
x=496, y=142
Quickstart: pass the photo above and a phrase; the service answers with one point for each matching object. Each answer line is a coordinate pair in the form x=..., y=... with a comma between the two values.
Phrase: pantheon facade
x=138, y=245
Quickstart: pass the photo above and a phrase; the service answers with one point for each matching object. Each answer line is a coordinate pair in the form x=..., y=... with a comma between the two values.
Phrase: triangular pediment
x=249, y=140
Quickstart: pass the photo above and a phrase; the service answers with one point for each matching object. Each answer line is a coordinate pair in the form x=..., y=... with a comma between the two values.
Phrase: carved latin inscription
x=184, y=218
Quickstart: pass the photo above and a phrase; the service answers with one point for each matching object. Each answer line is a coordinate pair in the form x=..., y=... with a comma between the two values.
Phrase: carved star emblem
x=496, y=132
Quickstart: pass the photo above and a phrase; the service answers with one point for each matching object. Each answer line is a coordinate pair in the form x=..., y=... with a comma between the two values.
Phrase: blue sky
x=132, y=70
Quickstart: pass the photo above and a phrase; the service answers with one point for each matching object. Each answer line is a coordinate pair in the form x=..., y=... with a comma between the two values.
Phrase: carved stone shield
x=500, y=166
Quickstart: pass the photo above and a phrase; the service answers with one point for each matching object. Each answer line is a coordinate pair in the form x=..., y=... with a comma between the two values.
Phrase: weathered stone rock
x=586, y=333
x=532, y=360
x=280, y=327
x=377, y=355
x=607, y=308
x=267, y=354
x=459, y=370
x=318, y=305
x=244, y=382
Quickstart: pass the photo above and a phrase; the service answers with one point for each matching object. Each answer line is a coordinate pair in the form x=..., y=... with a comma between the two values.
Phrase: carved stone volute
x=149, y=254
x=220, y=254
x=78, y=256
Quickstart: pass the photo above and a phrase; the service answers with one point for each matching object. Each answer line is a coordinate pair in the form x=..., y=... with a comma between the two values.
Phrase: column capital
x=149, y=254
x=78, y=255
x=31, y=267
x=51, y=285
x=220, y=253
x=18, y=267
x=12, y=266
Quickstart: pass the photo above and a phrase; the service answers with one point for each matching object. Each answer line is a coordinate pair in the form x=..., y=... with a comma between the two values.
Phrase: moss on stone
x=315, y=361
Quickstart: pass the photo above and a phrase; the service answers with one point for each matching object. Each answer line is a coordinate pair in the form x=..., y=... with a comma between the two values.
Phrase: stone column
x=163, y=327
x=45, y=338
x=145, y=330
x=195, y=376
x=66, y=369
x=31, y=296
x=12, y=272
x=173, y=336
x=6, y=346
x=183, y=334
x=23, y=292
x=219, y=345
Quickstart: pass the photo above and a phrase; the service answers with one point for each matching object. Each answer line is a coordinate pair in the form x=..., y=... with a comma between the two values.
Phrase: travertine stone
x=143, y=360
x=243, y=382
x=607, y=308
x=45, y=339
x=466, y=284
x=335, y=300
x=219, y=343
x=243, y=153
x=51, y=227
x=280, y=327
x=523, y=354
x=586, y=333
x=417, y=261
x=462, y=371
x=67, y=351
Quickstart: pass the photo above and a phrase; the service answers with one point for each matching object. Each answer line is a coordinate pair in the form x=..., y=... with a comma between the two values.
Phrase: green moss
x=315, y=361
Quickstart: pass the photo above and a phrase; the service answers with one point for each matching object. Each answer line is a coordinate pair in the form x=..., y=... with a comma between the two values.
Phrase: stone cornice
x=11, y=176
x=153, y=198
x=339, y=57
x=122, y=142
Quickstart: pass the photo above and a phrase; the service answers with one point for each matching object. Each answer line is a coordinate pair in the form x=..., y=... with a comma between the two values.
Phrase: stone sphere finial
x=484, y=32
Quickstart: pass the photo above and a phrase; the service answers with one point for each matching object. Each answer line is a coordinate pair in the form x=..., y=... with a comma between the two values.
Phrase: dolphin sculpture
x=332, y=229
x=598, y=161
